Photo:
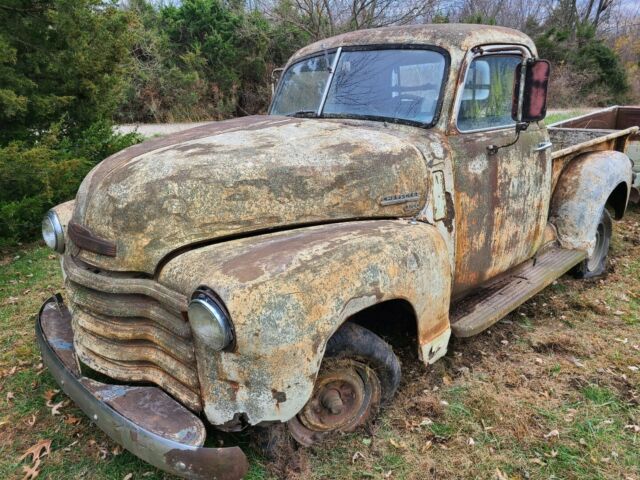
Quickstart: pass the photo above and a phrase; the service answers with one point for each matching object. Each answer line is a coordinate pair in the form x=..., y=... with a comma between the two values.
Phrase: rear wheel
x=596, y=263
x=358, y=374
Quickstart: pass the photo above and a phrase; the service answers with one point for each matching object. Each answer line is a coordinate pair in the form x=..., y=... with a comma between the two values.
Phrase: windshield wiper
x=304, y=114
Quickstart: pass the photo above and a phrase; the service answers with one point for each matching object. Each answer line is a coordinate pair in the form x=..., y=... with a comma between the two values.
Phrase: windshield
x=395, y=84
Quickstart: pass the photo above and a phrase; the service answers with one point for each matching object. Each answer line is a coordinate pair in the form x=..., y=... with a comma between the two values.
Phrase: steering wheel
x=407, y=104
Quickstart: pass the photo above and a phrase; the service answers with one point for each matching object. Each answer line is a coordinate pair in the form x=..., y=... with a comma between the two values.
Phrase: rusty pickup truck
x=227, y=275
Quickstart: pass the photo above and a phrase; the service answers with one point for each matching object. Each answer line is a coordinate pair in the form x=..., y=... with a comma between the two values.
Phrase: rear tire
x=359, y=373
x=596, y=264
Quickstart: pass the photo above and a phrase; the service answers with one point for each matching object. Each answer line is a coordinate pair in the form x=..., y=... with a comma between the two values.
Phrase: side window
x=488, y=88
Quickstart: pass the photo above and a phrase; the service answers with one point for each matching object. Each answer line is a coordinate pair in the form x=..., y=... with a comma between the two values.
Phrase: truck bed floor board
x=495, y=299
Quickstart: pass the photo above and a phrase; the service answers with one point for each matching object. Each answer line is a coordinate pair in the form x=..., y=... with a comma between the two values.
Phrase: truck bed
x=613, y=128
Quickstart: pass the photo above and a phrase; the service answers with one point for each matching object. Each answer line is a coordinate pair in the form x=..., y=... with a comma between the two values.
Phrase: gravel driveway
x=154, y=129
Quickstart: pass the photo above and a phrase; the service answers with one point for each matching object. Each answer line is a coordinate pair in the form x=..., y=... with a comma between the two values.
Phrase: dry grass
x=552, y=391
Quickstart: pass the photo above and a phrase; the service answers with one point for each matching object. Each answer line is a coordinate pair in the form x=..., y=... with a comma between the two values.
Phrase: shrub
x=36, y=177
x=585, y=70
x=60, y=59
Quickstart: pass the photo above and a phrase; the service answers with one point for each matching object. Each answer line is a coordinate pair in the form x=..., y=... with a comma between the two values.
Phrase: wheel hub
x=345, y=394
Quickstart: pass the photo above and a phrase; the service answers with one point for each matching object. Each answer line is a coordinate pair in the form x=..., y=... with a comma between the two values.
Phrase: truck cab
x=402, y=173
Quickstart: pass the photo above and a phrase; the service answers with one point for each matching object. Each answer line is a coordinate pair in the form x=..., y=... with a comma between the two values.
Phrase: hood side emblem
x=399, y=198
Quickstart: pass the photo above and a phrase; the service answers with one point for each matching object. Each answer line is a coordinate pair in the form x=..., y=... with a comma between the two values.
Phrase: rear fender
x=585, y=186
x=288, y=292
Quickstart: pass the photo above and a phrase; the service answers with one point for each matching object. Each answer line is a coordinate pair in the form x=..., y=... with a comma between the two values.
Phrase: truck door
x=501, y=199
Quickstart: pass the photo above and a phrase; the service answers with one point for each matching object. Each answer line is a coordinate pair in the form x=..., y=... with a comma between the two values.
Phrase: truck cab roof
x=452, y=37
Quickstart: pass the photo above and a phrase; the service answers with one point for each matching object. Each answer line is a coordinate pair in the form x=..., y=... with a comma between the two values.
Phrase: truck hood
x=245, y=175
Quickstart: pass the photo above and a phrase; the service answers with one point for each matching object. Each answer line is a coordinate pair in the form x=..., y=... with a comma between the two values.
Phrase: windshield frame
x=385, y=46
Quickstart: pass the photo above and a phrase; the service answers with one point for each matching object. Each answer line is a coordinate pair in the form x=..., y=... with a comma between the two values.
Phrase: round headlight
x=52, y=232
x=209, y=322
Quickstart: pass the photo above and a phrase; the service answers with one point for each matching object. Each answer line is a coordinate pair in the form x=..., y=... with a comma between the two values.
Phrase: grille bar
x=132, y=329
x=128, y=306
x=139, y=372
x=113, y=284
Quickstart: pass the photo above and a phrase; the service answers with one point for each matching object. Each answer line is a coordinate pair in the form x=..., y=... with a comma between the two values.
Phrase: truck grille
x=132, y=329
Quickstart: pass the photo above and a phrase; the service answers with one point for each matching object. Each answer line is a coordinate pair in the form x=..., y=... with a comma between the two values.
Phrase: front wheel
x=358, y=374
x=596, y=264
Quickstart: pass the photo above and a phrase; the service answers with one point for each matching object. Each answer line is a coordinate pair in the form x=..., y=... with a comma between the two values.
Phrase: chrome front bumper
x=144, y=420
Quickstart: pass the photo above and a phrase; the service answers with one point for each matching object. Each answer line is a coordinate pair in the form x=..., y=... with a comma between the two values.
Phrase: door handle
x=543, y=146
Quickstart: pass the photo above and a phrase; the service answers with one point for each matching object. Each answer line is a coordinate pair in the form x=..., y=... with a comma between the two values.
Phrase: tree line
x=69, y=69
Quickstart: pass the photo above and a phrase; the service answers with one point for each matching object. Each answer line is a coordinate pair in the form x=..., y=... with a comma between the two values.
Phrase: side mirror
x=530, y=91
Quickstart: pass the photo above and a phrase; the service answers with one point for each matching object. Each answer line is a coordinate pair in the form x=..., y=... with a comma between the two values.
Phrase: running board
x=495, y=299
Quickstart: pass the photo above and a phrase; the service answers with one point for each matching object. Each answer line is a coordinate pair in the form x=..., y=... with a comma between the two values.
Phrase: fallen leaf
x=71, y=420
x=128, y=476
x=552, y=434
x=68, y=447
x=36, y=451
x=354, y=457
x=427, y=446
x=50, y=394
x=577, y=362
x=426, y=422
x=500, y=475
x=103, y=453
x=55, y=409
x=396, y=444
x=31, y=472
x=32, y=421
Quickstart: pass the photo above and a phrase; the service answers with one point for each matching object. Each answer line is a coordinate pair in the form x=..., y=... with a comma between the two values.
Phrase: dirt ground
x=551, y=391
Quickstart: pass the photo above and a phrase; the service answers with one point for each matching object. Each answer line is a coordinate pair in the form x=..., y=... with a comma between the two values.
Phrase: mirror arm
x=523, y=76
x=520, y=126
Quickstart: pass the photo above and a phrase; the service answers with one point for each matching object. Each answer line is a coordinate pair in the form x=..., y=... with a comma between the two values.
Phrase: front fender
x=288, y=292
x=583, y=189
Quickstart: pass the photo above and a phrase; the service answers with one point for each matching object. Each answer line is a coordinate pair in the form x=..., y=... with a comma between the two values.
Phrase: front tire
x=359, y=373
x=596, y=264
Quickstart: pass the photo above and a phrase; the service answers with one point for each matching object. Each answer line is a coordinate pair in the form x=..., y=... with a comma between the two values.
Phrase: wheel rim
x=345, y=395
x=599, y=251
